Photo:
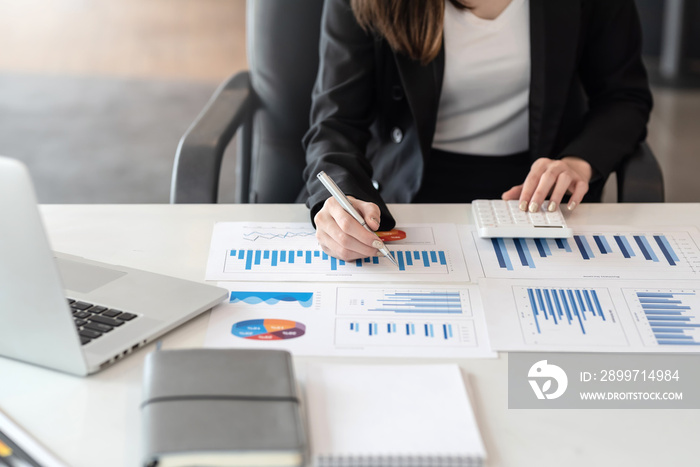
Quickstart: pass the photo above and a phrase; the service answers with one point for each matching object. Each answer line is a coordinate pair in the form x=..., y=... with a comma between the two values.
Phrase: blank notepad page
x=391, y=415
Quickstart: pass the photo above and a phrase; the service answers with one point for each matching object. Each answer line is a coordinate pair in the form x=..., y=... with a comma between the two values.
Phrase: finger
x=370, y=212
x=322, y=218
x=531, y=182
x=544, y=187
x=513, y=193
x=580, y=189
x=347, y=225
x=347, y=251
x=332, y=236
x=351, y=245
x=563, y=184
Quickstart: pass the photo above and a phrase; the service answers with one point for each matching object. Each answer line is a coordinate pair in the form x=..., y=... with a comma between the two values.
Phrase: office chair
x=269, y=106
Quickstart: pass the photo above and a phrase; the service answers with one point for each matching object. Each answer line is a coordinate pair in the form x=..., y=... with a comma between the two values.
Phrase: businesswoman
x=453, y=100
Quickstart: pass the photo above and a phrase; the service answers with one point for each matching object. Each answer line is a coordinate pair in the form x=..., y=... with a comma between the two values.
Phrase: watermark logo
x=543, y=371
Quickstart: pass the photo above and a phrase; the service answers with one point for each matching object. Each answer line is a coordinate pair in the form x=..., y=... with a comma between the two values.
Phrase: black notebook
x=221, y=407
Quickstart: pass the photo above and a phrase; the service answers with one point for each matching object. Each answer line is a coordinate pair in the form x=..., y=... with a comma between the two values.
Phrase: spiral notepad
x=391, y=415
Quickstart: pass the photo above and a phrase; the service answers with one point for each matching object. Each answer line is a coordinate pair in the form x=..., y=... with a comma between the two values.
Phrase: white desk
x=95, y=421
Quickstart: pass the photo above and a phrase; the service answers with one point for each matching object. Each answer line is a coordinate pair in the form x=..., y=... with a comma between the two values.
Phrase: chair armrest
x=639, y=178
x=197, y=164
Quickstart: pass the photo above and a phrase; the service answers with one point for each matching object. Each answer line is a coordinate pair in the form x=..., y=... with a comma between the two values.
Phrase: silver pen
x=345, y=204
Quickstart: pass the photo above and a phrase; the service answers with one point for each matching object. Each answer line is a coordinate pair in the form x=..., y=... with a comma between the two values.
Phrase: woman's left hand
x=553, y=178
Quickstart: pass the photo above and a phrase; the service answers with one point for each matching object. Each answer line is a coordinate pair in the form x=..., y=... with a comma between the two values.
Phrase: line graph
x=304, y=299
x=258, y=235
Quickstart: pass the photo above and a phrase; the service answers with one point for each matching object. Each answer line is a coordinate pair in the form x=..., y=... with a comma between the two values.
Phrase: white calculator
x=498, y=218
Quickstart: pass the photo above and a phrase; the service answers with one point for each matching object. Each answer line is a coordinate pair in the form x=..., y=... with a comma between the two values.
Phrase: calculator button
x=537, y=218
x=499, y=218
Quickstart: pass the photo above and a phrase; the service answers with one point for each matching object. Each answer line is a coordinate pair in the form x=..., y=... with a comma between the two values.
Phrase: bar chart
x=402, y=301
x=303, y=261
x=333, y=319
x=666, y=317
x=404, y=332
x=564, y=316
x=247, y=251
x=613, y=254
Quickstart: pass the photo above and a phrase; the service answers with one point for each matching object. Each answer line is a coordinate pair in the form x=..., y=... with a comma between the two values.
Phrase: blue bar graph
x=513, y=253
x=584, y=247
x=439, y=302
x=666, y=249
x=276, y=260
x=563, y=244
x=543, y=247
x=602, y=244
x=523, y=252
x=674, y=317
x=398, y=255
x=501, y=251
x=422, y=331
x=645, y=247
x=566, y=317
x=565, y=307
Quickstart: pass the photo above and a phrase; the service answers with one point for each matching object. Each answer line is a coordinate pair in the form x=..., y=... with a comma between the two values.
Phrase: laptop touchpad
x=84, y=278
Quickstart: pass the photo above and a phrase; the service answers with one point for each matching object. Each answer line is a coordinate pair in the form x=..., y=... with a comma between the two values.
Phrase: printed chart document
x=595, y=252
x=391, y=415
x=343, y=319
x=593, y=316
x=19, y=449
x=245, y=251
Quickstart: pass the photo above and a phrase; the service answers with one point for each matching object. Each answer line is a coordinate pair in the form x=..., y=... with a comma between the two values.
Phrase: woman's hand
x=553, y=178
x=341, y=236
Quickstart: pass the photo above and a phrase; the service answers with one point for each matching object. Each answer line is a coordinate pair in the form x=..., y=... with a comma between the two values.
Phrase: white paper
x=596, y=252
x=269, y=251
x=386, y=410
x=331, y=319
x=593, y=316
x=27, y=444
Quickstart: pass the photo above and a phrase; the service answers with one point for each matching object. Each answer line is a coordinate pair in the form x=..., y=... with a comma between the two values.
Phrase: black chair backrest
x=283, y=39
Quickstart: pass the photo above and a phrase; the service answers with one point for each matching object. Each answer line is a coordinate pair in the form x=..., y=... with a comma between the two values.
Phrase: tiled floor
x=203, y=41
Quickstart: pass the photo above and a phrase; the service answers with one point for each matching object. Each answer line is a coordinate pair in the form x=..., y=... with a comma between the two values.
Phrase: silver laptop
x=71, y=314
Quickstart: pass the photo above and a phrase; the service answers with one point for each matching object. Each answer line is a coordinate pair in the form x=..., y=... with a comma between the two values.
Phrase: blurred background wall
x=95, y=94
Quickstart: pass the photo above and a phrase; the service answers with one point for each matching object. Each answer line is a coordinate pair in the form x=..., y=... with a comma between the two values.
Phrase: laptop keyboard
x=93, y=320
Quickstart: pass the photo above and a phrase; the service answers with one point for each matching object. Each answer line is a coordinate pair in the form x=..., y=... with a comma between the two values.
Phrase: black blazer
x=374, y=111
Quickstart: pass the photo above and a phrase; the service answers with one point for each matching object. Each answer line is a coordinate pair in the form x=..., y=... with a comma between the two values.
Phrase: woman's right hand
x=341, y=236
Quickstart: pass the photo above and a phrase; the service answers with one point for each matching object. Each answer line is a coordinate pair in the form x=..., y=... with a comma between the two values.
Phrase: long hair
x=412, y=27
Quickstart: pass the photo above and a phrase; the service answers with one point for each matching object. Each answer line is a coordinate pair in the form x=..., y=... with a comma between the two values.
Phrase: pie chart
x=268, y=329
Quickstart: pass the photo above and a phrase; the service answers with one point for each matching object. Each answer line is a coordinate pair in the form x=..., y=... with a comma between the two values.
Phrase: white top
x=485, y=90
